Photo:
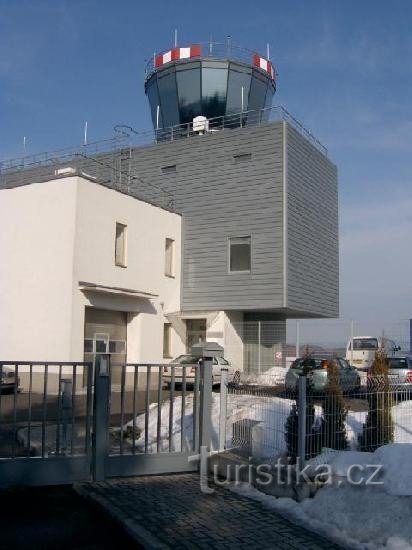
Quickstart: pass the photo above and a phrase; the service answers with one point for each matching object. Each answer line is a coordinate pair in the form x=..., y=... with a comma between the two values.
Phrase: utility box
x=207, y=350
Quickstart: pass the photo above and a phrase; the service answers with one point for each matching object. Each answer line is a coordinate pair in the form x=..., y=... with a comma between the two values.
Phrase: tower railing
x=126, y=138
x=227, y=50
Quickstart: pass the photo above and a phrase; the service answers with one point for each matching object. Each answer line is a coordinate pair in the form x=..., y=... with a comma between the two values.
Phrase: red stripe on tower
x=195, y=50
x=263, y=64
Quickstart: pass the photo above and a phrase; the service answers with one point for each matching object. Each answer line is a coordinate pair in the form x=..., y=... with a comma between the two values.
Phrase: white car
x=189, y=363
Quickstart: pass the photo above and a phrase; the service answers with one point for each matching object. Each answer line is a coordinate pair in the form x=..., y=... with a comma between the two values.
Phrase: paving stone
x=169, y=511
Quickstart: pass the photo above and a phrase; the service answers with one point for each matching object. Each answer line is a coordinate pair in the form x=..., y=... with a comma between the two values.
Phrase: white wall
x=56, y=234
x=36, y=247
x=98, y=210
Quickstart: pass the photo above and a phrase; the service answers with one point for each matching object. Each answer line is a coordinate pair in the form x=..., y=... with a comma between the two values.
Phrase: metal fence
x=46, y=411
x=272, y=421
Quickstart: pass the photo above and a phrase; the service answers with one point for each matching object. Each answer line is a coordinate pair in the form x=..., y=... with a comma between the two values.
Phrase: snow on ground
x=359, y=516
x=268, y=437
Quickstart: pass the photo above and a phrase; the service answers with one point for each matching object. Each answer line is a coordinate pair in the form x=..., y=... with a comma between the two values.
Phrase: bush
x=334, y=410
x=378, y=429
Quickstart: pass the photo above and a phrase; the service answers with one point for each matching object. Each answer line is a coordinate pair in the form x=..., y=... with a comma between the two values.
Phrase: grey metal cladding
x=220, y=198
x=312, y=229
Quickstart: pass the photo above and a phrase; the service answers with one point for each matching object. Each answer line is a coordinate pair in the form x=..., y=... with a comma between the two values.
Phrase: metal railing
x=48, y=411
x=108, y=161
x=227, y=50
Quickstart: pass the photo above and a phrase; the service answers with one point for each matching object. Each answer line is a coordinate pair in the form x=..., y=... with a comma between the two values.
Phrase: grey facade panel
x=312, y=229
x=221, y=198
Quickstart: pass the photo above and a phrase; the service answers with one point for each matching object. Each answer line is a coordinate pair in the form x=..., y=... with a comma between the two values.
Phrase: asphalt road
x=50, y=518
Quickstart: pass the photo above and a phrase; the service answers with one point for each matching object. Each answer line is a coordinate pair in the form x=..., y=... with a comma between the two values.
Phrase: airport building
x=219, y=224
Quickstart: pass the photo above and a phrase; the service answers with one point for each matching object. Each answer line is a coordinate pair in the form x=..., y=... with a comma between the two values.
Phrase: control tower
x=219, y=82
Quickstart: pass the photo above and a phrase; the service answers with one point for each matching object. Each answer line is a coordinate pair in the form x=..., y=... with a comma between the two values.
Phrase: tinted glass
x=186, y=360
x=239, y=254
x=214, y=87
x=237, y=80
x=188, y=86
x=166, y=83
x=153, y=96
x=365, y=344
x=257, y=95
x=397, y=363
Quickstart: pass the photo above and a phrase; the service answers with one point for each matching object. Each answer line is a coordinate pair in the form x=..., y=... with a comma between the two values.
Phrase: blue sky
x=344, y=70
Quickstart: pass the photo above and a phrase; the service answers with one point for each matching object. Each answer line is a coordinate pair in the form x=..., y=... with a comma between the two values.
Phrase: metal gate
x=56, y=429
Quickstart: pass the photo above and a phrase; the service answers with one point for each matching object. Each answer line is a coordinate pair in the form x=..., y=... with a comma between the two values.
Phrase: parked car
x=400, y=374
x=8, y=379
x=191, y=361
x=317, y=373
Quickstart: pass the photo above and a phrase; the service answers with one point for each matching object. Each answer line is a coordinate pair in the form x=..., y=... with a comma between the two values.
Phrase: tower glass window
x=214, y=89
x=238, y=80
x=120, y=258
x=239, y=254
x=188, y=85
x=166, y=83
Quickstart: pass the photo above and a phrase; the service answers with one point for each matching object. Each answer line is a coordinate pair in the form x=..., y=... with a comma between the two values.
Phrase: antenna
x=267, y=51
x=24, y=144
x=175, y=38
x=85, y=133
x=157, y=117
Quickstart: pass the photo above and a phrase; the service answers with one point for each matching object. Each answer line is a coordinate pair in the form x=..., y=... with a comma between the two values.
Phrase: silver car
x=400, y=374
x=192, y=362
x=317, y=374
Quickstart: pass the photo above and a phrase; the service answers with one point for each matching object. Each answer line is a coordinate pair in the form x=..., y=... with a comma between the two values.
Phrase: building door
x=195, y=332
x=105, y=331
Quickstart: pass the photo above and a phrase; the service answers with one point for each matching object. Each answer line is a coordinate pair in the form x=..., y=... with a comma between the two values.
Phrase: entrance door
x=195, y=332
x=105, y=331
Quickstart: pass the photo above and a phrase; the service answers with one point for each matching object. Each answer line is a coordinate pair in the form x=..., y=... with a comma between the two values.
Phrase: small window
x=239, y=254
x=167, y=340
x=120, y=245
x=244, y=157
x=168, y=169
x=170, y=258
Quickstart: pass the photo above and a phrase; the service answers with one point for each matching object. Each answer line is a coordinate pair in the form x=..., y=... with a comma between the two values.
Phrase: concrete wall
x=60, y=233
x=36, y=276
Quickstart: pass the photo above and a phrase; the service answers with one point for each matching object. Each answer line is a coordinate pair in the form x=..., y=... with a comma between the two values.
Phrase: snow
x=362, y=517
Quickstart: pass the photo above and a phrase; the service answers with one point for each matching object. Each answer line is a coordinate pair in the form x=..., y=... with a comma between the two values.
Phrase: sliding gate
x=66, y=422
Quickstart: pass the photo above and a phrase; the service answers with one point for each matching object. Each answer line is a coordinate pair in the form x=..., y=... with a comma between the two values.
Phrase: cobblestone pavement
x=171, y=512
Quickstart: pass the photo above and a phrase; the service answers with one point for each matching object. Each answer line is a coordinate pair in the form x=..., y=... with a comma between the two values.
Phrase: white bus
x=364, y=349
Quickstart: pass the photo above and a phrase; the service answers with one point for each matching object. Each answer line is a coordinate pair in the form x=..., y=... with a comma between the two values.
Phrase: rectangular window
x=120, y=245
x=167, y=340
x=239, y=254
x=170, y=258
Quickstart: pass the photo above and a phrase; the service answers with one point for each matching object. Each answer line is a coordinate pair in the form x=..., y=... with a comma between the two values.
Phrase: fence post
x=206, y=402
x=302, y=419
x=101, y=414
x=297, y=352
x=223, y=408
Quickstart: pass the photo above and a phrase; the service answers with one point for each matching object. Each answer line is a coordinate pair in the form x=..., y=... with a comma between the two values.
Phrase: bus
x=364, y=349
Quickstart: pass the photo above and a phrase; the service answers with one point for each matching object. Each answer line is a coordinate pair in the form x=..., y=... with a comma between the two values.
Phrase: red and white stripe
x=176, y=54
x=264, y=64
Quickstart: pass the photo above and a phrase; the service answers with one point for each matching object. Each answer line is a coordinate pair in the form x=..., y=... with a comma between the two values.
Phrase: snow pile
x=360, y=516
x=272, y=413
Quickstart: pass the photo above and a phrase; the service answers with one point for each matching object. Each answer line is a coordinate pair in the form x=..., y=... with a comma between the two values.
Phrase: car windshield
x=398, y=363
x=360, y=344
x=186, y=360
